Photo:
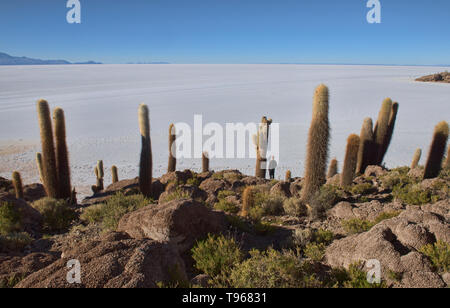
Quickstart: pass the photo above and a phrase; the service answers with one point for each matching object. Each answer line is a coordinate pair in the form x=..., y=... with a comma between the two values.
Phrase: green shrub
x=10, y=218
x=356, y=225
x=223, y=194
x=226, y=206
x=194, y=181
x=362, y=189
x=315, y=251
x=294, y=207
x=439, y=255
x=56, y=214
x=15, y=241
x=178, y=194
x=355, y=278
x=322, y=236
x=303, y=237
x=273, y=204
x=93, y=214
x=12, y=281
x=216, y=254
x=231, y=176
x=325, y=199
x=273, y=269
x=413, y=194
x=395, y=178
x=385, y=216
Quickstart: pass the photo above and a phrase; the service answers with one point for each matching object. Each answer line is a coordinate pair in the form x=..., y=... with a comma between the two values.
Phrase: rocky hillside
x=439, y=77
x=193, y=232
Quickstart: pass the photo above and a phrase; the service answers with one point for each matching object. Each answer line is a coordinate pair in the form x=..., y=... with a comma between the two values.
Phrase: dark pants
x=272, y=173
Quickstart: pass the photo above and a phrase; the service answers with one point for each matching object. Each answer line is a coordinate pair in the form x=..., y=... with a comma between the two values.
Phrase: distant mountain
x=6, y=59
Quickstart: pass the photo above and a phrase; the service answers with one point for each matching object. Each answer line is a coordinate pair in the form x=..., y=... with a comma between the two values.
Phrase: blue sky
x=229, y=31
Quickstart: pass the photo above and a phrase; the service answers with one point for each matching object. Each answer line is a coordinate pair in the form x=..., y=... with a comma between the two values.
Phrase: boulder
x=180, y=177
x=31, y=218
x=212, y=186
x=115, y=261
x=190, y=191
x=281, y=188
x=180, y=222
x=375, y=171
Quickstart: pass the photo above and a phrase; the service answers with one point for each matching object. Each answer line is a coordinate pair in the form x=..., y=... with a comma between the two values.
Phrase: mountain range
x=6, y=59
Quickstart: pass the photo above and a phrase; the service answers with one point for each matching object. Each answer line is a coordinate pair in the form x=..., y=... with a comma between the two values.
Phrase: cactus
x=99, y=173
x=333, y=169
x=317, y=148
x=115, y=176
x=146, y=163
x=62, y=155
x=17, y=183
x=261, y=142
x=366, y=150
x=247, y=201
x=50, y=177
x=382, y=129
x=73, y=197
x=172, y=149
x=437, y=150
x=40, y=167
x=351, y=158
x=447, y=161
x=205, y=162
x=288, y=176
x=390, y=130
x=416, y=158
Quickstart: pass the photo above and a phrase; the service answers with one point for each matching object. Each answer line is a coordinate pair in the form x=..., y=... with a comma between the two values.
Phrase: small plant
x=315, y=251
x=325, y=199
x=413, y=194
x=11, y=282
x=57, y=215
x=223, y=194
x=439, y=255
x=194, y=181
x=294, y=207
x=216, y=254
x=362, y=189
x=226, y=206
x=93, y=214
x=385, y=216
x=356, y=278
x=15, y=241
x=356, y=225
x=10, y=218
x=178, y=194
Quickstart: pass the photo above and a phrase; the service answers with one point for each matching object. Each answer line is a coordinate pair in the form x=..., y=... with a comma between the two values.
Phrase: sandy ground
x=101, y=104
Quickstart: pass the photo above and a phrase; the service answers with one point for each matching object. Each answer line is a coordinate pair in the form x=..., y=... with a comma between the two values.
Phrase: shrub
x=315, y=251
x=232, y=176
x=226, y=206
x=273, y=204
x=117, y=206
x=413, y=194
x=362, y=189
x=439, y=255
x=15, y=241
x=294, y=207
x=325, y=199
x=216, y=254
x=195, y=181
x=225, y=193
x=394, y=178
x=93, y=214
x=12, y=281
x=273, y=269
x=322, y=236
x=56, y=214
x=178, y=194
x=10, y=218
x=355, y=277
x=356, y=225
x=385, y=216
x=303, y=237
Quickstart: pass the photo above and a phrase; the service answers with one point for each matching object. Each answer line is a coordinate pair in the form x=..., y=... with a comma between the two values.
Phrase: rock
x=31, y=218
x=21, y=267
x=201, y=280
x=375, y=171
x=416, y=173
x=213, y=186
x=394, y=242
x=295, y=188
x=342, y=210
x=281, y=188
x=115, y=261
x=252, y=181
x=180, y=222
x=180, y=177
x=34, y=192
x=335, y=180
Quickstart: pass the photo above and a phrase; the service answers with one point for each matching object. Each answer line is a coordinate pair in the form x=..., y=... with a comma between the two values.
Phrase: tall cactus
x=40, y=167
x=114, y=174
x=62, y=155
x=390, y=130
x=447, y=160
x=317, y=148
x=351, y=158
x=146, y=163
x=416, y=158
x=172, y=149
x=333, y=169
x=261, y=141
x=366, y=152
x=247, y=201
x=288, y=176
x=50, y=175
x=100, y=174
x=17, y=183
x=205, y=162
x=437, y=150
x=382, y=129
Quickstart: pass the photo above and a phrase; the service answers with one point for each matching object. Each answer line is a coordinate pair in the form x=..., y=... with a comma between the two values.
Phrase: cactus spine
x=205, y=162
x=62, y=155
x=172, y=149
x=50, y=177
x=416, y=158
x=288, y=176
x=351, y=158
x=333, y=169
x=114, y=174
x=381, y=130
x=317, y=148
x=261, y=141
x=247, y=201
x=146, y=164
x=17, y=183
x=40, y=167
x=390, y=130
x=366, y=147
x=437, y=150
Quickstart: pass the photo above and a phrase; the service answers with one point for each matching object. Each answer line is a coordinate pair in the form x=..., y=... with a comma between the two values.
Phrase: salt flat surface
x=101, y=102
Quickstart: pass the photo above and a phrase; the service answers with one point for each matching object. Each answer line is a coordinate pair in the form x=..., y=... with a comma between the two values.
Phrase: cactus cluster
x=146, y=162
x=261, y=142
x=437, y=151
x=53, y=163
x=317, y=147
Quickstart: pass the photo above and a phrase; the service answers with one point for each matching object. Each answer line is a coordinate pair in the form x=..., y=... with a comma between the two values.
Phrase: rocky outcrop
x=115, y=261
x=180, y=222
x=439, y=77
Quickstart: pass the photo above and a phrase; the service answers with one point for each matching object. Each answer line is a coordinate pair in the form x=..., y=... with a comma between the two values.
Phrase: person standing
x=272, y=166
